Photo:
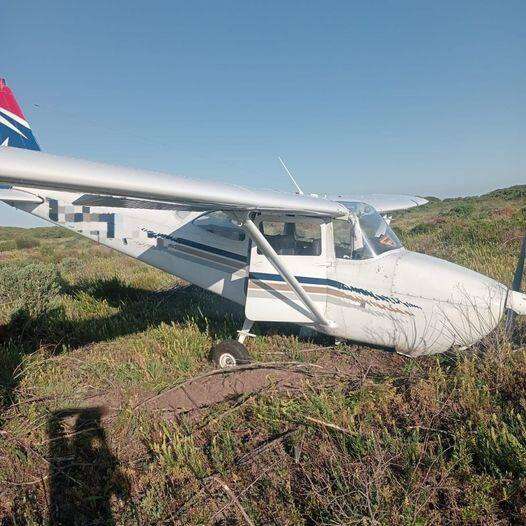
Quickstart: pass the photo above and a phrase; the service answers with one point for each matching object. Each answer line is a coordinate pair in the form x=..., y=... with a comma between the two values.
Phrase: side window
x=293, y=239
x=220, y=224
x=343, y=239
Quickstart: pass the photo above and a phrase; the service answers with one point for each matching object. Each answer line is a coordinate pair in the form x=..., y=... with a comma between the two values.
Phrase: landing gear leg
x=245, y=331
x=231, y=353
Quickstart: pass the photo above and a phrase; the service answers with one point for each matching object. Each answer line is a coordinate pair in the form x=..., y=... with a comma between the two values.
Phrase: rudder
x=14, y=129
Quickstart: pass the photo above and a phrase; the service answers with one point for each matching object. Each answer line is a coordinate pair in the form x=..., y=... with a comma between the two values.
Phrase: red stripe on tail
x=8, y=101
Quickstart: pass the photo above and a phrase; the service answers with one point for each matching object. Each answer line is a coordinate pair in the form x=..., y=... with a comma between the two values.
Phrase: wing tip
x=420, y=201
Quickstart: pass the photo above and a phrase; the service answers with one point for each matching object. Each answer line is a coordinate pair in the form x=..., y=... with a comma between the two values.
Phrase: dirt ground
x=322, y=365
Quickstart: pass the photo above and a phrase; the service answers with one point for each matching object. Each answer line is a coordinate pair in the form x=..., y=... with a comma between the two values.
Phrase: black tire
x=229, y=353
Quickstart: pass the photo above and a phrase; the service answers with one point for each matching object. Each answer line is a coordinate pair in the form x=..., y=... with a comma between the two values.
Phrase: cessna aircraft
x=330, y=263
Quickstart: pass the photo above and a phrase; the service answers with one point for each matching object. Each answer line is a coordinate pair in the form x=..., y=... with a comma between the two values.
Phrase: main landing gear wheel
x=229, y=353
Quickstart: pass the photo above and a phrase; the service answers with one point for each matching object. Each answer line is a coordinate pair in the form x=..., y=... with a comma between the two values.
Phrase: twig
x=244, y=398
x=240, y=461
x=328, y=425
x=259, y=477
x=235, y=500
x=46, y=497
x=29, y=483
x=264, y=447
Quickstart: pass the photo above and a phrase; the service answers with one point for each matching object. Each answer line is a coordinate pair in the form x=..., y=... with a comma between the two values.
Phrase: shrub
x=462, y=210
x=421, y=228
x=26, y=242
x=513, y=192
x=33, y=288
x=8, y=244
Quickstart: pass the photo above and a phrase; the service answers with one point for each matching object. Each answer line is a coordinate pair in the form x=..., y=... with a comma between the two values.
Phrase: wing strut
x=284, y=272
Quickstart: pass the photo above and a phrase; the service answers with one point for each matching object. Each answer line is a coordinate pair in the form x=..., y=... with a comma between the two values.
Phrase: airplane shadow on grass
x=139, y=309
x=84, y=476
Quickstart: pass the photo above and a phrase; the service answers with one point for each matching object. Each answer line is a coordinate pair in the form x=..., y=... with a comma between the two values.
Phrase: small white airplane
x=330, y=263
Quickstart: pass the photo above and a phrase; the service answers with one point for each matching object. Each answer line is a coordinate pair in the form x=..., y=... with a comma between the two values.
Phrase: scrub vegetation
x=111, y=413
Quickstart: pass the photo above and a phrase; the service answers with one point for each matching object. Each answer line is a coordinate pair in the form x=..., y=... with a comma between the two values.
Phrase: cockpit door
x=301, y=244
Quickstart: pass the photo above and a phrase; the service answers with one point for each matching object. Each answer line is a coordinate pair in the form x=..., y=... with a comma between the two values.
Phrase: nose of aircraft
x=457, y=306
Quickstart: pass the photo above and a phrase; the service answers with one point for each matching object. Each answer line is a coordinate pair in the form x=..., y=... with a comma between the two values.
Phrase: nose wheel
x=229, y=353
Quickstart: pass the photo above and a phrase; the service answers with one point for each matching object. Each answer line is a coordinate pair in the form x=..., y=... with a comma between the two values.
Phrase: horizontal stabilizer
x=18, y=196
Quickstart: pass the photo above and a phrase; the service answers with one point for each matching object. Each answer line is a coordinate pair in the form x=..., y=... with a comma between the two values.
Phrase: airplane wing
x=383, y=203
x=40, y=170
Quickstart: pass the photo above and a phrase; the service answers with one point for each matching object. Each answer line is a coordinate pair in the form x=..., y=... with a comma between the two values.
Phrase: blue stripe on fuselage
x=199, y=246
x=306, y=280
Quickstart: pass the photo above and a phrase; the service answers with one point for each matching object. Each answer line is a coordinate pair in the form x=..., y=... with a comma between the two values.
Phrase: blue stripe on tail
x=13, y=133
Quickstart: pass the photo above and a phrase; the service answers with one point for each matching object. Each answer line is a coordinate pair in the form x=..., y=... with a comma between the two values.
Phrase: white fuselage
x=399, y=299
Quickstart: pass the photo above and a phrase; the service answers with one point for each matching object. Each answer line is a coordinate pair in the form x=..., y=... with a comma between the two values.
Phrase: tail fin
x=14, y=128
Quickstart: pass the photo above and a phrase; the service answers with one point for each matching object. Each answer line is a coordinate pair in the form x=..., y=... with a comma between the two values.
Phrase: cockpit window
x=294, y=238
x=343, y=238
x=220, y=224
x=371, y=235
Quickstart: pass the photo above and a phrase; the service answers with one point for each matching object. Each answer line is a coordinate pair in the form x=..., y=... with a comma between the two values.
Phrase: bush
x=26, y=242
x=8, y=244
x=513, y=192
x=421, y=228
x=462, y=210
x=33, y=288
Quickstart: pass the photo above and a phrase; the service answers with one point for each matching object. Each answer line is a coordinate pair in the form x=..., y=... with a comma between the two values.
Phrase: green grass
x=363, y=437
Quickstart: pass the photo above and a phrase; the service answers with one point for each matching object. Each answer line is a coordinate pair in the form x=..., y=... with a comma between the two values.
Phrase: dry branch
x=328, y=425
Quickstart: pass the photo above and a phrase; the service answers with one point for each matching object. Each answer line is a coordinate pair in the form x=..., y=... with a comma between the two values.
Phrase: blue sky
x=401, y=97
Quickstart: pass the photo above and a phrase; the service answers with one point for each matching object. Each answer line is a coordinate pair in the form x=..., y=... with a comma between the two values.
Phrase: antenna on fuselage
x=300, y=191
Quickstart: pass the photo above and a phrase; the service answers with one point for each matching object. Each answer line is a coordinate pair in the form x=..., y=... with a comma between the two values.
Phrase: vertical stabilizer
x=14, y=128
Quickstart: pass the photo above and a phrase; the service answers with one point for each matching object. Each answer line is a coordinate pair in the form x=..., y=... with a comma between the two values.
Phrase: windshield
x=371, y=234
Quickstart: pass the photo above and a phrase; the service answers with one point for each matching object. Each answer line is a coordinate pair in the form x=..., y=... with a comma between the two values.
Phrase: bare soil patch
x=325, y=366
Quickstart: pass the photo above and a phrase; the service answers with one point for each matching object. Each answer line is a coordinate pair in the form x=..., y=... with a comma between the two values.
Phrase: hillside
x=111, y=413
